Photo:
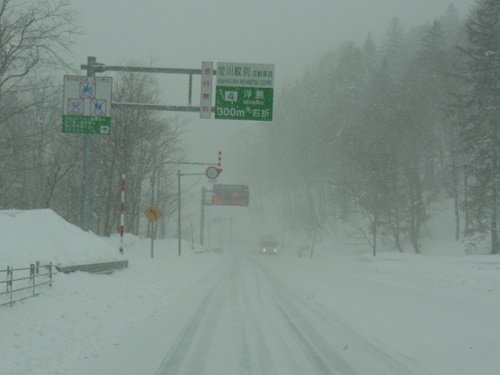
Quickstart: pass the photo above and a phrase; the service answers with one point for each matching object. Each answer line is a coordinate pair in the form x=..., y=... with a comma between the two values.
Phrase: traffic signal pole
x=202, y=218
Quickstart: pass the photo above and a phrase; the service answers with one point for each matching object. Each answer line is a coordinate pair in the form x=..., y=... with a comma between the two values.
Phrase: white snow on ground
x=418, y=314
x=27, y=236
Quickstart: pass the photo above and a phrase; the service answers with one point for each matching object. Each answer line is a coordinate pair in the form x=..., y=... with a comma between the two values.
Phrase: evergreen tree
x=480, y=130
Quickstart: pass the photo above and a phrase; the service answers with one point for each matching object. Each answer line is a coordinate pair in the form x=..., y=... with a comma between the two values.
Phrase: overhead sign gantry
x=243, y=92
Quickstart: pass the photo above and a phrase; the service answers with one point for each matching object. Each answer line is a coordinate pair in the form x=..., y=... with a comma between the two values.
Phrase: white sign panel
x=87, y=105
x=245, y=74
x=207, y=69
x=87, y=96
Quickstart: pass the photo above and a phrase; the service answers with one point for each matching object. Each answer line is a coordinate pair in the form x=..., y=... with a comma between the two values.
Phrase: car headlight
x=275, y=250
x=263, y=250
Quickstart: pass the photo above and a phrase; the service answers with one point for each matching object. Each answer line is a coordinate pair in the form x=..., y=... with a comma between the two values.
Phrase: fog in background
x=288, y=33
x=373, y=228
x=291, y=34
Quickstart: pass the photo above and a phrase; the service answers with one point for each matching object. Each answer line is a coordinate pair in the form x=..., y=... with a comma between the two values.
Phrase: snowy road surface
x=249, y=322
x=243, y=313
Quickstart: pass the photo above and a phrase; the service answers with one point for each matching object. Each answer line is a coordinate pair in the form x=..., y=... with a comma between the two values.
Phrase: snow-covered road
x=252, y=322
x=243, y=313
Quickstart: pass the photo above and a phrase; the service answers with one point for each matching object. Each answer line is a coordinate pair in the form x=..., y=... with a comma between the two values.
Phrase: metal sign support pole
x=202, y=218
x=101, y=68
x=179, y=175
x=122, y=211
x=179, y=208
x=152, y=224
x=87, y=150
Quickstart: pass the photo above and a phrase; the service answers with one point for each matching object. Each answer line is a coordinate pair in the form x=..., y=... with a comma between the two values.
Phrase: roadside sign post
x=202, y=217
x=152, y=213
x=222, y=195
x=86, y=110
x=122, y=210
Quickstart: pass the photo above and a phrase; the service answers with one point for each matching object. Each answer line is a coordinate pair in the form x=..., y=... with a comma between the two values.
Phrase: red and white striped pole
x=219, y=161
x=122, y=211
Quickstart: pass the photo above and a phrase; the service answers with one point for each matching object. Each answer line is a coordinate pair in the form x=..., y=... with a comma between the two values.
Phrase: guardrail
x=22, y=283
x=103, y=267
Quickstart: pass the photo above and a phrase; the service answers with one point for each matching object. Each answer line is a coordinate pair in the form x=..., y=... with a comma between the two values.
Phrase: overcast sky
x=288, y=33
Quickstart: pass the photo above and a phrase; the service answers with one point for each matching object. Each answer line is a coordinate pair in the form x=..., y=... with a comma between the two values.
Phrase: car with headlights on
x=268, y=245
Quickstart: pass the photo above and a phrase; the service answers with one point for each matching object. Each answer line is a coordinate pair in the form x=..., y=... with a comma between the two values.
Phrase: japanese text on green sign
x=244, y=92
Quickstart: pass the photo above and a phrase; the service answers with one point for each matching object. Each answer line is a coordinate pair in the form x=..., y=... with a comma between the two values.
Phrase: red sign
x=230, y=195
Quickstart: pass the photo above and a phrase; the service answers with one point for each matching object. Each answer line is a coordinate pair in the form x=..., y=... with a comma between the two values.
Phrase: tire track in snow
x=316, y=360
x=324, y=359
x=229, y=309
x=300, y=315
x=176, y=358
x=295, y=355
x=248, y=323
x=257, y=354
x=357, y=339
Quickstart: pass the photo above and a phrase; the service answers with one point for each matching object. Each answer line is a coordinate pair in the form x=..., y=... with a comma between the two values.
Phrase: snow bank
x=42, y=235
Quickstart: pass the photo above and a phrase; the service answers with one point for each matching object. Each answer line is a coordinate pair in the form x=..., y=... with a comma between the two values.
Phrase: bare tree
x=141, y=145
x=33, y=36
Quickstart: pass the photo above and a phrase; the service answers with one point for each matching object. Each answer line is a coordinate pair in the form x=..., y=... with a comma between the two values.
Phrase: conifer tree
x=480, y=130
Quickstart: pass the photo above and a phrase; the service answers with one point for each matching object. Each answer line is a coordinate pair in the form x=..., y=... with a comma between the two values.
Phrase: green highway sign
x=244, y=92
x=87, y=105
x=86, y=124
x=244, y=103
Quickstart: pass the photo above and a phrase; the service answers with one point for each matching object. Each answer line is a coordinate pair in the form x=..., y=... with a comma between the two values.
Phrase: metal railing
x=22, y=283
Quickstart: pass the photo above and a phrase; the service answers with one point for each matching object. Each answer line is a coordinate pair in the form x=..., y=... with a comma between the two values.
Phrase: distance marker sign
x=244, y=91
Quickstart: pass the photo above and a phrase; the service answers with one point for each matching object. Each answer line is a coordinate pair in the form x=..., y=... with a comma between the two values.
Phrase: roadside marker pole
x=122, y=211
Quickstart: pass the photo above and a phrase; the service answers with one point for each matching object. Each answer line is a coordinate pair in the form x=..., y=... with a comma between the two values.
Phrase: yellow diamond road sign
x=153, y=213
